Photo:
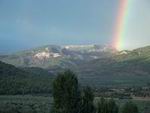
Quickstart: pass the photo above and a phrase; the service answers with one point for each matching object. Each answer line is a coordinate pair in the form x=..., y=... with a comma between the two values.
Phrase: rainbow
x=121, y=24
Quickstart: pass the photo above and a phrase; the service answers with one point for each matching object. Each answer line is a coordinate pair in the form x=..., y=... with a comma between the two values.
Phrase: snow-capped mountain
x=54, y=55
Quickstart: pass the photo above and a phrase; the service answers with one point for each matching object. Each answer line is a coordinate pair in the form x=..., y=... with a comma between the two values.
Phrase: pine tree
x=66, y=93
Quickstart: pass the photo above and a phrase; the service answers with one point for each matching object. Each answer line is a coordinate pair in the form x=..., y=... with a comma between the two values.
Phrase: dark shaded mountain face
x=24, y=80
x=95, y=65
x=10, y=70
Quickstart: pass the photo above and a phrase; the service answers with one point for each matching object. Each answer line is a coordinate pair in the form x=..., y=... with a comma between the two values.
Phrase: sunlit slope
x=126, y=68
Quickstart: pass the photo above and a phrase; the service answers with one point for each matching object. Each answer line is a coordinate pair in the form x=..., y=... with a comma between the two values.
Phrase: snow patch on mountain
x=55, y=55
x=42, y=55
x=46, y=54
x=124, y=52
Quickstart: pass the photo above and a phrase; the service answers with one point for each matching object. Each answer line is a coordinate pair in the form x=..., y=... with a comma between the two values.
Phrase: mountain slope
x=126, y=68
x=10, y=70
x=96, y=65
x=24, y=81
x=58, y=56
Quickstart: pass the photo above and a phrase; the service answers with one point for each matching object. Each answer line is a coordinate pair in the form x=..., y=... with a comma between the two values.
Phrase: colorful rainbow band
x=122, y=18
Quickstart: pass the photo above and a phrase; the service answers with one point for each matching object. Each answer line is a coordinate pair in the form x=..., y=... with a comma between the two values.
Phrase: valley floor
x=42, y=104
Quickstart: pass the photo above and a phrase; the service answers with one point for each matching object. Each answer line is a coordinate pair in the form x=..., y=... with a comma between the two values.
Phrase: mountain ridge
x=53, y=55
x=127, y=67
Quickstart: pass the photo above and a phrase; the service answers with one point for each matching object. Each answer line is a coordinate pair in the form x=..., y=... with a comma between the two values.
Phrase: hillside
x=95, y=65
x=10, y=70
x=24, y=81
x=58, y=56
x=126, y=68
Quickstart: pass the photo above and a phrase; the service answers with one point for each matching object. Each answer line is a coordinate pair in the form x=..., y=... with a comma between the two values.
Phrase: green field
x=25, y=104
x=42, y=104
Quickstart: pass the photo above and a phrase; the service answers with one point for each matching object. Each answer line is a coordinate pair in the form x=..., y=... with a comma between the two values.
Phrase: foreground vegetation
x=68, y=97
x=43, y=104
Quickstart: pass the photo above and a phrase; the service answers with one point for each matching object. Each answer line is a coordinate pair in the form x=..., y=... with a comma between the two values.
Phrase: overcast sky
x=30, y=23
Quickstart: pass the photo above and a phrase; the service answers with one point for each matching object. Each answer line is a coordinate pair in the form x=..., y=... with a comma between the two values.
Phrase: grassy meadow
x=42, y=104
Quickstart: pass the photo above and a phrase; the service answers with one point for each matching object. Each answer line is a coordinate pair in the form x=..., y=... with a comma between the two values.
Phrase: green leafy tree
x=66, y=93
x=130, y=107
x=87, y=101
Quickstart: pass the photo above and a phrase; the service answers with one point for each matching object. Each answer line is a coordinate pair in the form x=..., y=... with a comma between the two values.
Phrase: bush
x=130, y=107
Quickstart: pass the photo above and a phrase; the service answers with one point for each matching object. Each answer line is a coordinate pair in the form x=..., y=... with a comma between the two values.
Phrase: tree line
x=70, y=98
x=23, y=81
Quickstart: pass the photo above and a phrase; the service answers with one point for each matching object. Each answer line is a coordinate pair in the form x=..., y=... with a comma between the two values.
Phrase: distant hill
x=24, y=81
x=10, y=70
